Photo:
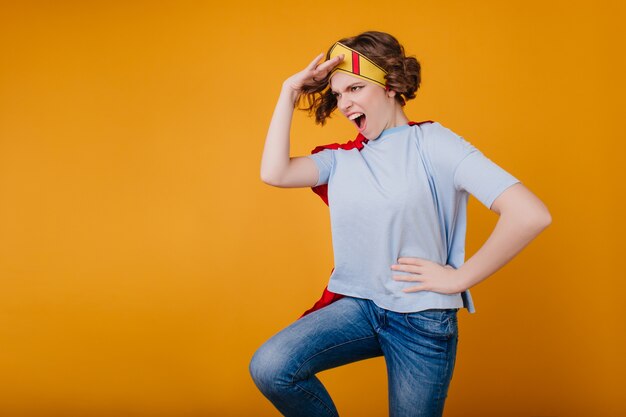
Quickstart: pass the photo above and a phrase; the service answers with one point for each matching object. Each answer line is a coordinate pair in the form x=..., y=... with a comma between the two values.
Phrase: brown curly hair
x=403, y=73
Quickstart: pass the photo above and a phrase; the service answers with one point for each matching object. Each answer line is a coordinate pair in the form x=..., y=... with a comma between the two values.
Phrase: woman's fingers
x=412, y=261
x=330, y=64
x=407, y=278
x=317, y=71
x=409, y=268
x=415, y=269
x=313, y=63
x=412, y=278
x=415, y=289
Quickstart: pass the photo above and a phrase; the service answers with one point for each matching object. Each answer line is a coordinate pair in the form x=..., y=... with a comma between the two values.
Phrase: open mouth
x=358, y=119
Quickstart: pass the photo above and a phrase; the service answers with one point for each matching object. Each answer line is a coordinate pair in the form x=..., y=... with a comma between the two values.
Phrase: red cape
x=329, y=297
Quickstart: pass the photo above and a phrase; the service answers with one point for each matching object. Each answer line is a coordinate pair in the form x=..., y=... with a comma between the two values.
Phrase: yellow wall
x=142, y=260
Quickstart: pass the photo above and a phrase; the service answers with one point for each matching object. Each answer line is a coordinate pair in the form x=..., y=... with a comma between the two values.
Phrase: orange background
x=142, y=260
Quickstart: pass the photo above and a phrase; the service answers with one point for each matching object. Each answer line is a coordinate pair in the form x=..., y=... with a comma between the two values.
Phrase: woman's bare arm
x=522, y=217
x=277, y=167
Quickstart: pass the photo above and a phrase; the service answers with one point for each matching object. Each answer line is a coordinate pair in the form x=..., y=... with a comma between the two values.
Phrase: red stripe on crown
x=355, y=63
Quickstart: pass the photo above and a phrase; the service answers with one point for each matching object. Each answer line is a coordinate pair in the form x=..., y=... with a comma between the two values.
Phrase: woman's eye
x=356, y=87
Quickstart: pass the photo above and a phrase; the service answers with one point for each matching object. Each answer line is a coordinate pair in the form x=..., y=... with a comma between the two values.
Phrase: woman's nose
x=344, y=104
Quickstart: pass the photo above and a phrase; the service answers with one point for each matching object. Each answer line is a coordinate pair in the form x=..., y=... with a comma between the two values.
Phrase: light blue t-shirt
x=403, y=195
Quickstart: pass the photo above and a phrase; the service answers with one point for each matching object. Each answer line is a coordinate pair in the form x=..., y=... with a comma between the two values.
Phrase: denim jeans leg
x=420, y=353
x=284, y=367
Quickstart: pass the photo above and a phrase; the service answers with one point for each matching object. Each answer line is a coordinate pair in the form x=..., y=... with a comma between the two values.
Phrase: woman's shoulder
x=434, y=134
x=433, y=129
x=441, y=146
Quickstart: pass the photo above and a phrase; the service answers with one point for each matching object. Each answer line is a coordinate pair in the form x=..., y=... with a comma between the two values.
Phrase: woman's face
x=370, y=107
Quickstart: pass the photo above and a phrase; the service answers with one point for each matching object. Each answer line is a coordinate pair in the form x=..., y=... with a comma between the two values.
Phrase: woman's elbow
x=270, y=180
x=521, y=206
x=529, y=218
x=270, y=176
x=544, y=218
x=538, y=219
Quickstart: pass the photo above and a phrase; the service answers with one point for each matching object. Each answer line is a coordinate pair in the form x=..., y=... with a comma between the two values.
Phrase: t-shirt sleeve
x=459, y=164
x=324, y=160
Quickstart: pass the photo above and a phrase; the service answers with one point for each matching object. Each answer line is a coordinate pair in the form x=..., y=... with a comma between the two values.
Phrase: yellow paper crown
x=357, y=64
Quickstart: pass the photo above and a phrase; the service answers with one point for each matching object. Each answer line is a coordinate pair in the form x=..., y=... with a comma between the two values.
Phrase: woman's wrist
x=464, y=282
x=288, y=90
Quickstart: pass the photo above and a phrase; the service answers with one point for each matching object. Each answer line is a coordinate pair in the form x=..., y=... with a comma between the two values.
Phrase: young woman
x=398, y=214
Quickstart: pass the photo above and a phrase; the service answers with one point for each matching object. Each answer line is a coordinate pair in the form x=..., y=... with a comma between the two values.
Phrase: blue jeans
x=419, y=350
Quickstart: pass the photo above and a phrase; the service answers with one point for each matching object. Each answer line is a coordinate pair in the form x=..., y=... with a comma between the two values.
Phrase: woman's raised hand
x=313, y=72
